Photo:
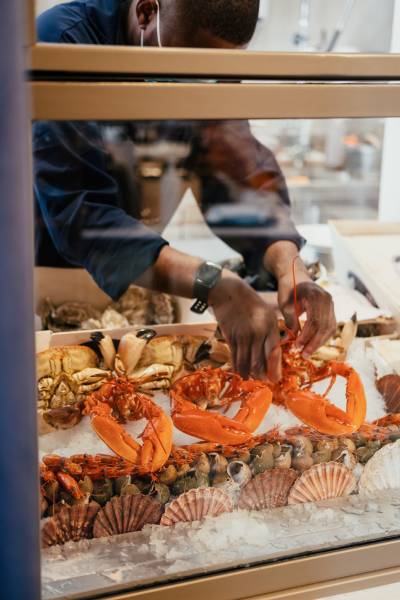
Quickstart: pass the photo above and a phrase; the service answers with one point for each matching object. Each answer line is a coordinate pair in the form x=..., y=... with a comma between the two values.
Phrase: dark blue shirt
x=78, y=219
x=78, y=222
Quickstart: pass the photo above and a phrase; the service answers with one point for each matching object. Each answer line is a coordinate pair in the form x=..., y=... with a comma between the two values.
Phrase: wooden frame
x=189, y=62
x=129, y=101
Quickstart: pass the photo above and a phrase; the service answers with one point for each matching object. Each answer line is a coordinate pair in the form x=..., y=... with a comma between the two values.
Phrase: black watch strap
x=206, y=279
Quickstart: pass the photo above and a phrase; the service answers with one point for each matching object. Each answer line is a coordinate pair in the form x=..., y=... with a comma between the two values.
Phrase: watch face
x=209, y=273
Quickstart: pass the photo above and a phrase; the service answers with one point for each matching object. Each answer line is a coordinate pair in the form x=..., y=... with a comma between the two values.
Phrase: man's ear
x=146, y=10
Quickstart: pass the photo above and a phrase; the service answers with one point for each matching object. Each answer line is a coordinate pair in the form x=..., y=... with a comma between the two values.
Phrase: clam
x=102, y=491
x=328, y=444
x=125, y=514
x=121, y=482
x=243, y=456
x=267, y=490
x=302, y=444
x=203, y=464
x=322, y=456
x=197, y=504
x=277, y=450
x=346, y=457
x=161, y=493
x=364, y=454
x=86, y=486
x=69, y=524
x=263, y=460
x=322, y=482
x=347, y=443
x=169, y=475
x=284, y=460
x=302, y=461
x=220, y=479
x=218, y=463
x=359, y=439
x=239, y=472
x=184, y=484
x=130, y=489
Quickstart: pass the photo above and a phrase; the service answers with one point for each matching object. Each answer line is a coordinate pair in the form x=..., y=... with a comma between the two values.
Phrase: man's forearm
x=279, y=259
x=174, y=273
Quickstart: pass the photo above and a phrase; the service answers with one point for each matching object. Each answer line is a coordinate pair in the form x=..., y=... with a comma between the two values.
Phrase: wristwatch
x=207, y=277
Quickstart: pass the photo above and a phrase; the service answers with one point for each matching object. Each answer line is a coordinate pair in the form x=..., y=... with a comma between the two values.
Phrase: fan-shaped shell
x=72, y=523
x=124, y=514
x=267, y=490
x=322, y=482
x=382, y=471
x=197, y=504
x=389, y=387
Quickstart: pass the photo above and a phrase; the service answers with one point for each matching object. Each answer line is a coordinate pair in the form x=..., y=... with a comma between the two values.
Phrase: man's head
x=194, y=23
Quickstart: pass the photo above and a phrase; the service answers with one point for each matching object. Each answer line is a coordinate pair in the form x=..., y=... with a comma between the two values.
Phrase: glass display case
x=163, y=472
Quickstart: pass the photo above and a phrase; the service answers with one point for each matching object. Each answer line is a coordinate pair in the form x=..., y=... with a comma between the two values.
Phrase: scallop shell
x=197, y=504
x=382, y=471
x=389, y=387
x=267, y=490
x=321, y=482
x=124, y=514
x=71, y=523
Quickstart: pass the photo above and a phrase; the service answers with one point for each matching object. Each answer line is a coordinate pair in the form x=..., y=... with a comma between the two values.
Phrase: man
x=77, y=197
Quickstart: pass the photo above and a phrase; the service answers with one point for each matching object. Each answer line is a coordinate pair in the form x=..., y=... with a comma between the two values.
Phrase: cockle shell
x=321, y=482
x=267, y=490
x=125, y=514
x=197, y=504
x=382, y=471
x=71, y=523
x=389, y=387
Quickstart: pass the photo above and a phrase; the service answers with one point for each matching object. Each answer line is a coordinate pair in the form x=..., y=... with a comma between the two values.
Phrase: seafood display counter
x=207, y=471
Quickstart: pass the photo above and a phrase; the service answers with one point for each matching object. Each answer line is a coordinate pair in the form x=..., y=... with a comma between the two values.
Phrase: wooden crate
x=367, y=249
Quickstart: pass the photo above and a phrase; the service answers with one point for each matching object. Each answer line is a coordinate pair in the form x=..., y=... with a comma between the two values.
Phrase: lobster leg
x=323, y=416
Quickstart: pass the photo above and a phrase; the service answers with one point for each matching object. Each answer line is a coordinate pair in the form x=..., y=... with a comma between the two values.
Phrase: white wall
x=369, y=28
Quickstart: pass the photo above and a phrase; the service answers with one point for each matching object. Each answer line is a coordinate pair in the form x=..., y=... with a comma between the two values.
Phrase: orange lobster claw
x=120, y=395
x=116, y=438
x=255, y=398
x=317, y=412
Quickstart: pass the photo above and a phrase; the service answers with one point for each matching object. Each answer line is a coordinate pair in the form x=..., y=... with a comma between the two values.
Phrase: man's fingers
x=291, y=320
x=243, y=357
x=273, y=356
x=258, y=368
x=318, y=328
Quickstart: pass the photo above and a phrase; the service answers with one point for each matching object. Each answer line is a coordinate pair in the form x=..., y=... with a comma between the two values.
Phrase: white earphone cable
x=158, y=24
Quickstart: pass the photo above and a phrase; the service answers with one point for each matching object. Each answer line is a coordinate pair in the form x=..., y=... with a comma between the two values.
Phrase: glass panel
x=243, y=195
x=291, y=25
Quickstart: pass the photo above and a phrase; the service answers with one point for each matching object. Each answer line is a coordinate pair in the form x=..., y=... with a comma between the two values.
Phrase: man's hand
x=281, y=259
x=250, y=327
x=318, y=306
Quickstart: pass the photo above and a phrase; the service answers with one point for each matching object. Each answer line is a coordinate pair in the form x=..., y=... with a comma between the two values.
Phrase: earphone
x=158, y=28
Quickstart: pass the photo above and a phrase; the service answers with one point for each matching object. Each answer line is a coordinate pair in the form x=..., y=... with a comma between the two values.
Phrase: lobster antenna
x=295, y=298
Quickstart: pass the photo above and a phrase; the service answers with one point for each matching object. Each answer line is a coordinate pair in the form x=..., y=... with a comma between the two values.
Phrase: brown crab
x=153, y=363
x=64, y=376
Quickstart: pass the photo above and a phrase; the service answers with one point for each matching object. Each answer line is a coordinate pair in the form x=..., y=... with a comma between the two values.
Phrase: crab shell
x=64, y=375
x=162, y=360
